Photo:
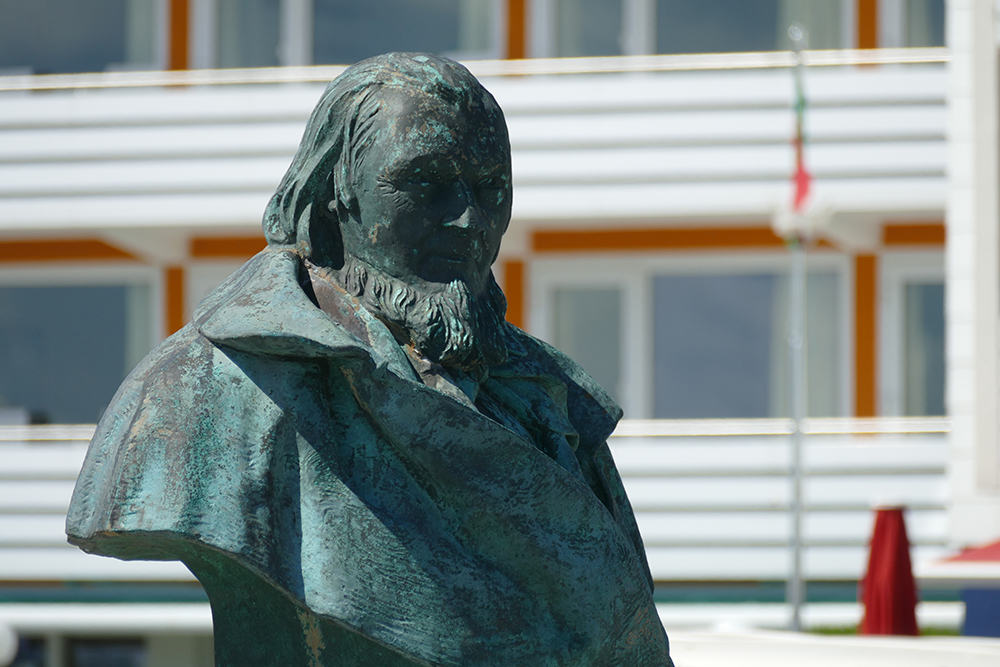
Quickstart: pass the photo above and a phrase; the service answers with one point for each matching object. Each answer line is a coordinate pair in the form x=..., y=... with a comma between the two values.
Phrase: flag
x=801, y=179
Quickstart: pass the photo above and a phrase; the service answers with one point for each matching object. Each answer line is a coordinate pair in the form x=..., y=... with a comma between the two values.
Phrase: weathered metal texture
x=349, y=490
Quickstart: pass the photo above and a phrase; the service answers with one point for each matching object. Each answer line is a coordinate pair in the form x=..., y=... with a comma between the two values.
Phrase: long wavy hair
x=316, y=194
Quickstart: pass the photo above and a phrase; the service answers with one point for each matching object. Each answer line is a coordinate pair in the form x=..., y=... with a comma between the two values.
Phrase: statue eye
x=491, y=190
x=421, y=184
x=492, y=183
x=419, y=191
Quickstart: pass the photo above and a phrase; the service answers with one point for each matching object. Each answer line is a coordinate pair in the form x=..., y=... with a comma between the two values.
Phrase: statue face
x=433, y=193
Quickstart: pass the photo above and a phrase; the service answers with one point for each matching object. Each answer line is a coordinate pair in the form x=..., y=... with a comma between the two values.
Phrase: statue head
x=405, y=167
x=401, y=187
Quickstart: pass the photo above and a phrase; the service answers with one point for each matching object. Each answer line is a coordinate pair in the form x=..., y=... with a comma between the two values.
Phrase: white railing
x=532, y=66
x=38, y=469
x=699, y=137
x=711, y=497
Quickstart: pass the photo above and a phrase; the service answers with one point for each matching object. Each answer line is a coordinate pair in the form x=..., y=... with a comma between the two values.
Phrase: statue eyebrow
x=436, y=165
x=440, y=166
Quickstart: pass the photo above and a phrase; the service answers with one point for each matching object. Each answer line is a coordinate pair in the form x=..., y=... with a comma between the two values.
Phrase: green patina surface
x=359, y=459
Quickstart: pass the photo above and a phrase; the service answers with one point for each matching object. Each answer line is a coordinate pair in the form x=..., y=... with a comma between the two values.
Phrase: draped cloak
x=290, y=461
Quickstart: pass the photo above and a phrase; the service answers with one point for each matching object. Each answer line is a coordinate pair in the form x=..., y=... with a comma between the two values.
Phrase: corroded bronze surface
x=360, y=460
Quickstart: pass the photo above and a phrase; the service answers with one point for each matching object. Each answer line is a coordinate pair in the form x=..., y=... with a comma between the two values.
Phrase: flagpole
x=795, y=591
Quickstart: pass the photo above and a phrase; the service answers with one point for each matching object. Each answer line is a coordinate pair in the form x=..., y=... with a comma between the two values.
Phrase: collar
x=262, y=309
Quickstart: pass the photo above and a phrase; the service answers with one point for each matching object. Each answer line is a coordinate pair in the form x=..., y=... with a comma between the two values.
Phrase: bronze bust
x=356, y=455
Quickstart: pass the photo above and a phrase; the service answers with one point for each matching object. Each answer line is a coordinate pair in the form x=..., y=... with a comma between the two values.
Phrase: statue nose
x=465, y=213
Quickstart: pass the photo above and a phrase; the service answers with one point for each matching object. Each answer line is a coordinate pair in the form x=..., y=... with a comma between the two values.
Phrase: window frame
x=633, y=274
x=96, y=274
x=639, y=27
x=896, y=270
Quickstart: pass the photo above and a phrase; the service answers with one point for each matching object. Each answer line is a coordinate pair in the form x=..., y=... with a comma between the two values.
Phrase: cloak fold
x=265, y=439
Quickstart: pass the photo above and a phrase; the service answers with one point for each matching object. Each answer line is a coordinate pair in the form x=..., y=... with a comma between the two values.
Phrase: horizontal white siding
x=717, y=507
x=666, y=145
x=710, y=507
x=38, y=469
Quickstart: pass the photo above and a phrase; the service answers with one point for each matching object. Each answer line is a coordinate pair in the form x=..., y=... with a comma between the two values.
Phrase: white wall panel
x=599, y=147
x=642, y=456
x=708, y=507
x=208, y=175
x=107, y=211
x=717, y=507
x=71, y=564
x=33, y=530
x=720, y=126
x=155, y=106
x=36, y=496
x=147, y=142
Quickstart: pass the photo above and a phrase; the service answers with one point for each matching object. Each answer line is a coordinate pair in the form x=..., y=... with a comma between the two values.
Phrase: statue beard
x=448, y=325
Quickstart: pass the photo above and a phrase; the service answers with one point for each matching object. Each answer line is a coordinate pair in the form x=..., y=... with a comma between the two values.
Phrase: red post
x=889, y=591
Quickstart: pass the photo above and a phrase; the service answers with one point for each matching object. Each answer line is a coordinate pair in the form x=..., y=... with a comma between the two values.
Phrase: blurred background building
x=141, y=139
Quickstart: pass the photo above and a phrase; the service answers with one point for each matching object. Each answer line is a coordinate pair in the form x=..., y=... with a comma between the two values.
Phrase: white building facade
x=645, y=185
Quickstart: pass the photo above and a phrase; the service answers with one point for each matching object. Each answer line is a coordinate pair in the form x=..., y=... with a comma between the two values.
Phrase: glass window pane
x=45, y=36
x=588, y=28
x=821, y=19
x=721, y=346
x=925, y=23
x=824, y=357
x=708, y=26
x=107, y=653
x=924, y=350
x=141, y=28
x=712, y=346
x=346, y=31
x=65, y=350
x=716, y=26
x=30, y=653
x=587, y=328
x=477, y=29
x=248, y=33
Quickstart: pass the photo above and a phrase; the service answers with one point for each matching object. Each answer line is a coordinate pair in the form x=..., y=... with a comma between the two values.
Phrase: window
x=107, y=653
x=911, y=23
x=720, y=346
x=586, y=326
x=50, y=36
x=709, y=26
x=700, y=26
x=829, y=23
x=925, y=23
x=923, y=367
x=912, y=334
x=595, y=28
x=65, y=349
x=30, y=653
x=346, y=31
x=588, y=28
x=696, y=337
x=248, y=33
